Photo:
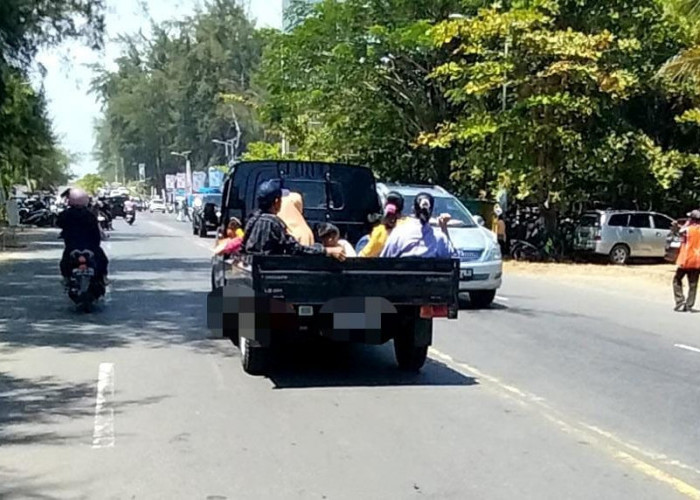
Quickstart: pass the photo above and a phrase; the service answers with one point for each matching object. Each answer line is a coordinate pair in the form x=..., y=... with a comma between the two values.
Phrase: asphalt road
x=559, y=391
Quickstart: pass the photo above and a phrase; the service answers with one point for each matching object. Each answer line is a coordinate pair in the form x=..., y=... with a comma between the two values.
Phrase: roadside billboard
x=199, y=180
x=181, y=180
x=216, y=177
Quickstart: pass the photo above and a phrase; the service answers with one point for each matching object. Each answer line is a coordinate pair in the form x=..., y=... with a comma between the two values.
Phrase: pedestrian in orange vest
x=688, y=263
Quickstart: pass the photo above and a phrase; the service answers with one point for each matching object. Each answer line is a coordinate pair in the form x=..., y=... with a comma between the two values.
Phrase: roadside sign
x=181, y=180
x=169, y=182
x=216, y=177
x=199, y=179
x=142, y=172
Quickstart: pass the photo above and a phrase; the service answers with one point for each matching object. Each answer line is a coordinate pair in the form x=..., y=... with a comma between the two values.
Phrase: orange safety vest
x=689, y=255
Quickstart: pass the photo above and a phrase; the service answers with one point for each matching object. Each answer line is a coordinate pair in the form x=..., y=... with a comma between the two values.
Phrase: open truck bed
x=262, y=301
x=271, y=301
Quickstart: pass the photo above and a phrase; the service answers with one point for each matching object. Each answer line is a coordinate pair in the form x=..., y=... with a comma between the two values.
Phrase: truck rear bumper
x=266, y=321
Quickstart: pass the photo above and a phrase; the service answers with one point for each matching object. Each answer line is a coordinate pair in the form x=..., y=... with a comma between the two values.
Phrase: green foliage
x=263, y=151
x=29, y=152
x=190, y=83
x=567, y=131
x=91, y=183
x=28, y=149
x=350, y=84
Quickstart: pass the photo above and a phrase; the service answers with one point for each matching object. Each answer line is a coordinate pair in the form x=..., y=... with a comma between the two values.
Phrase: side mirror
x=480, y=220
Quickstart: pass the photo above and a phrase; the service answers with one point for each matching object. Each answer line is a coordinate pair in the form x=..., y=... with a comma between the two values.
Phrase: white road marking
x=687, y=347
x=646, y=461
x=504, y=299
x=103, y=433
x=163, y=226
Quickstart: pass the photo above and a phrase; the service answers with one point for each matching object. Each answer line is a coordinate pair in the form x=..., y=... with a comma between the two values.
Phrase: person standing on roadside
x=688, y=263
x=501, y=230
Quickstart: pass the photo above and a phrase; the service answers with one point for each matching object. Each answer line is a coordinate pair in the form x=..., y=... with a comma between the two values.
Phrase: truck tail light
x=440, y=311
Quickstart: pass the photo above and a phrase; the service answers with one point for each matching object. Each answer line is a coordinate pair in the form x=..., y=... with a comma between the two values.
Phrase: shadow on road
x=322, y=364
x=154, y=302
x=39, y=402
x=527, y=312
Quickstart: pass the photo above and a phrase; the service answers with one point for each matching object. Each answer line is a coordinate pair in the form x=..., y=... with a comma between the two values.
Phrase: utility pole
x=504, y=97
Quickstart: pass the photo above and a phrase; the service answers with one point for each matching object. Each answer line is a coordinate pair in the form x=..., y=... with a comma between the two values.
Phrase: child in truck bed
x=329, y=235
x=233, y=240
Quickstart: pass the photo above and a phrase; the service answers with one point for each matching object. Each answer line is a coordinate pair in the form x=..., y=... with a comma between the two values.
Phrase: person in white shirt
x=329, y=235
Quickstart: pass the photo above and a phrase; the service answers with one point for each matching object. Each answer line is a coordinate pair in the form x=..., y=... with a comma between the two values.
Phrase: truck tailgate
x=315, y=280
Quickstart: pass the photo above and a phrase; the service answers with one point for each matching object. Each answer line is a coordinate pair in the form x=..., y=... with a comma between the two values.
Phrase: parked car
x=621, y=235
x=481, y=265
x=156, y=205
x=673, y=241
x=206, y=211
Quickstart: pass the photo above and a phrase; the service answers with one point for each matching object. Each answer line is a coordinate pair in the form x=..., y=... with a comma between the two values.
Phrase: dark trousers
x=504, y=246
x=693, y=276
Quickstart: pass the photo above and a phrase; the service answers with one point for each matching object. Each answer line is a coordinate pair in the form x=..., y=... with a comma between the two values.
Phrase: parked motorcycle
x=84, y=288
x=41, y=217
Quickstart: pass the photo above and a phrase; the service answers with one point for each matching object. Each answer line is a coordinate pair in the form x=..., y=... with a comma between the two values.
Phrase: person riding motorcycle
x=129, y=208
x=80, y=231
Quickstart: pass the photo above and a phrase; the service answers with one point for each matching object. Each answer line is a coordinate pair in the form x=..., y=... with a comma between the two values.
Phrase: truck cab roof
x=332, y=192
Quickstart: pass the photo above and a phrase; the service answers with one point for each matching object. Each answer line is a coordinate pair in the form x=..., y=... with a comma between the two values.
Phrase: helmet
x=78, y=198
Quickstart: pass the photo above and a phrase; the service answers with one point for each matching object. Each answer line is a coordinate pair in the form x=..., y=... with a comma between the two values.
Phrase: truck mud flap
x=235, y=308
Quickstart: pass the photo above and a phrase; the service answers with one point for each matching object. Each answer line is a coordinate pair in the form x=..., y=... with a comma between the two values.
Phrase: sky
x=72, y=109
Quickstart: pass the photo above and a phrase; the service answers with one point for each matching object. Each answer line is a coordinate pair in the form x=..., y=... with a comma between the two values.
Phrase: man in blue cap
x=266, y=233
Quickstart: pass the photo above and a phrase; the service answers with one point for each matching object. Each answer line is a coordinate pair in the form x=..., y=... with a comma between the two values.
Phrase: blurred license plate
x=466, y=274
x=83, y=272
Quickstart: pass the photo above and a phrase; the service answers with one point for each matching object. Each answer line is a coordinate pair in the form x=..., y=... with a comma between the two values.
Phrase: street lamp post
x=188, y=169
x=225, y=144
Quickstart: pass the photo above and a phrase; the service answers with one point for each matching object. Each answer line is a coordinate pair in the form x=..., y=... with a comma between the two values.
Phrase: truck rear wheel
x=410, y=356
x=255, y=359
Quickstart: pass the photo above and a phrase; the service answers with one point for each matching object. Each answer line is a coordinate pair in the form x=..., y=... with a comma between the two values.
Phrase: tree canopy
x=29, y=150
x=560, y=102
x=178, y=91
x=557, y=101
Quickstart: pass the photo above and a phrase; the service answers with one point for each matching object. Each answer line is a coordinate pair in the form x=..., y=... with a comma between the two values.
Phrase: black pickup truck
x=264, y=301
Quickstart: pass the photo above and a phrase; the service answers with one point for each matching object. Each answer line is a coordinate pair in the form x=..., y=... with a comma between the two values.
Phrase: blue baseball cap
x=268, y=192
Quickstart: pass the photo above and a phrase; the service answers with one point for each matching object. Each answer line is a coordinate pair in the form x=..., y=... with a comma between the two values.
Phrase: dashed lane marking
x=103, y=433
x=603, y=440
x=687, y=347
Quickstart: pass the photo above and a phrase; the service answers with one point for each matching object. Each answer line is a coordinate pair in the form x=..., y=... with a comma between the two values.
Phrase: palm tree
x=685, y=64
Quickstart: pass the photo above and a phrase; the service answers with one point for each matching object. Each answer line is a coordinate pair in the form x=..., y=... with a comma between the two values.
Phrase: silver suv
x=623, y=234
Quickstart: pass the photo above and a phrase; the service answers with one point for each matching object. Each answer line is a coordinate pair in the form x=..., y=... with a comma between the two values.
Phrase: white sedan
x=156, y=205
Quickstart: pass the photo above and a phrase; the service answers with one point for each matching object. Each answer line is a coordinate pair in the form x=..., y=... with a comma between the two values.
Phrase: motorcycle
x=84, y=288
x=41, y=217
x=130, y=216
x=104, y=220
